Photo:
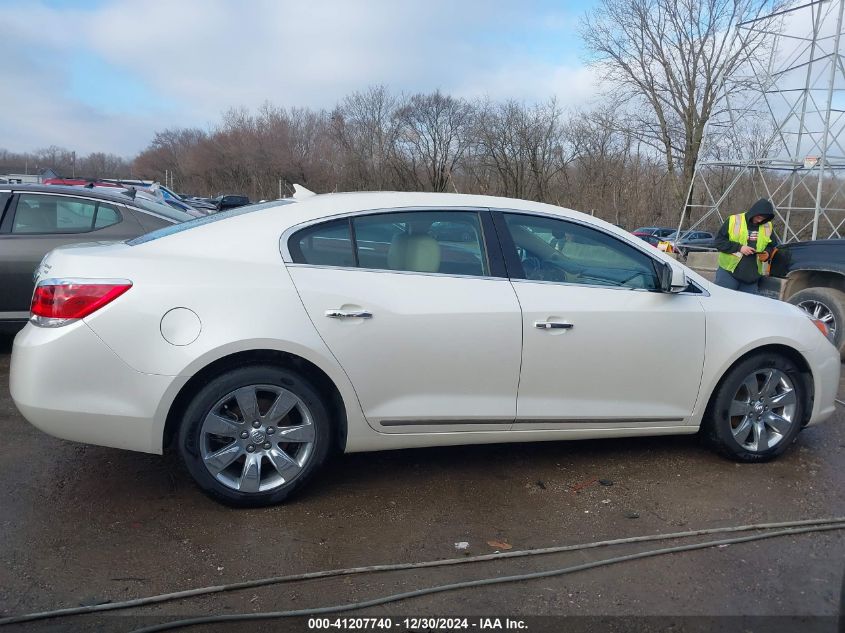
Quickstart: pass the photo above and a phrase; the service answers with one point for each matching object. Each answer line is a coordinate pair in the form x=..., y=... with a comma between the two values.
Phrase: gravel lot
x=83, y=524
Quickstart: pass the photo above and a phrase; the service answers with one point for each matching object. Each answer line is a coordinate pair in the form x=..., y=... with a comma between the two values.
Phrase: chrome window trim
x=702, y=291
x=643, y=248
x=577, y=285
x=396, y=272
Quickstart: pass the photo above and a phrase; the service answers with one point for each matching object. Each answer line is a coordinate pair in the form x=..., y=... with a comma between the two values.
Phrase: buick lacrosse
x=257, y=342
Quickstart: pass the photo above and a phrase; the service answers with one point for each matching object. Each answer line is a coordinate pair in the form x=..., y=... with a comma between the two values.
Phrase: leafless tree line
x=588, y=159
x=65, y=162
x=628, y=158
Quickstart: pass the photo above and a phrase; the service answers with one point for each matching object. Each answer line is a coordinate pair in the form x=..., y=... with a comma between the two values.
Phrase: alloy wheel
x=257, y=438
x=763, y=409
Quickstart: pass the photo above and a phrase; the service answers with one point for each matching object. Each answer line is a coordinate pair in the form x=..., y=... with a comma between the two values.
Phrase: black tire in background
x=719, y=425
x=831, y=300
x=193, y=439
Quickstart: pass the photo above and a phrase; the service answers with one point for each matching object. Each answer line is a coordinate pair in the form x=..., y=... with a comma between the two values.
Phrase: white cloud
x=204, y=56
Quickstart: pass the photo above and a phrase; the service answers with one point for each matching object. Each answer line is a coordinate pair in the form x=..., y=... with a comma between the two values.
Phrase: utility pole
x=797, y=97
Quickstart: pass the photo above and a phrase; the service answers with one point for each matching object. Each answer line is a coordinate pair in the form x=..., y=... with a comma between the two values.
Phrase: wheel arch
x=308, y=369
x=800, y=280
x=774, y=348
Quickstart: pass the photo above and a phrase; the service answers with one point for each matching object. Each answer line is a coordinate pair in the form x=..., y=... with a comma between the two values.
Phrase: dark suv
x=35, y=219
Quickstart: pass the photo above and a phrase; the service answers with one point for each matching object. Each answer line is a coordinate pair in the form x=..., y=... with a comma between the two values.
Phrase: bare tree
x=365, y=129
x=524, y=146
x=433, y=135
x=667, y=60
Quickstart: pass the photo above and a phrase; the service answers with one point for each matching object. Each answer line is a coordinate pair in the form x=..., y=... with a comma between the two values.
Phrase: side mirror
x=672, y=278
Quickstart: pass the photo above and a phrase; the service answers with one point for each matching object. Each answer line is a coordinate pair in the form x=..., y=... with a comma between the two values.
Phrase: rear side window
x=447, y=242
x=58, y=214
x=106, y=216
x=328, y=244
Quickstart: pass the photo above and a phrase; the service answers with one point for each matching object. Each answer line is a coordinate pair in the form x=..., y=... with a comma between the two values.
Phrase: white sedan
x=257, y=341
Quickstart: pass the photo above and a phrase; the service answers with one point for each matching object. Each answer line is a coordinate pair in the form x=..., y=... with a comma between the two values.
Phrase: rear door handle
x=552, y=325
x=349, y=314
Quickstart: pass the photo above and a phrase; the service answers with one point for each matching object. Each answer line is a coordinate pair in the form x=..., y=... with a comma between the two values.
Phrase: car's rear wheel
x=758, y=409
x=254, y=435
x=826, y=305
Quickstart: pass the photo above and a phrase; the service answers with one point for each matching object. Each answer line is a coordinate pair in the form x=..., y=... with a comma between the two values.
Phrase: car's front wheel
x=758, y=409
x=254, y=435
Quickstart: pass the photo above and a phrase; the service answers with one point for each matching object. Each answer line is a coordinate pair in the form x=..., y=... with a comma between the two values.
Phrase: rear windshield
x=208, y=219
x=177, y=215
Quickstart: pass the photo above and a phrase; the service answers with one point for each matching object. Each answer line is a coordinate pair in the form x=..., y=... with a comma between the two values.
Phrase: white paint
x=180, y=326
x=438, y=347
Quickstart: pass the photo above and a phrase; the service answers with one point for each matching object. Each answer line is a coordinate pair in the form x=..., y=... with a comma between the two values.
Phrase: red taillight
x=73, y=300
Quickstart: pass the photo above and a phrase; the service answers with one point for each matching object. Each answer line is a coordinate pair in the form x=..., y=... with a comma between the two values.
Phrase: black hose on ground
x=469, y=584
x=831, y=523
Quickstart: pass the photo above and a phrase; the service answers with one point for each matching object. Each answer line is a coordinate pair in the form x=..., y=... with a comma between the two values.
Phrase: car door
x=35, y=224
x=603, y=346
x=427, y=329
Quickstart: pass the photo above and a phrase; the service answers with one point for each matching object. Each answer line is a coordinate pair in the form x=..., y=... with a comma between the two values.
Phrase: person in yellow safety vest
x=746, y=243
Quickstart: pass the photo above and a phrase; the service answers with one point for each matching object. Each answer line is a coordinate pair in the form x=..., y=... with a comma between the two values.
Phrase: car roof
x=281, y=215
x=101, y=193
x=88, y=192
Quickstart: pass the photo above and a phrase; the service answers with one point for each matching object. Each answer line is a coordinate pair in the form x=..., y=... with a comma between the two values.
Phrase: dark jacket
x=746, y=270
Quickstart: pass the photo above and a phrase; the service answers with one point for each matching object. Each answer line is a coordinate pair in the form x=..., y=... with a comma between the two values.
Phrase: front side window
x=447, y=242
x=556, y=250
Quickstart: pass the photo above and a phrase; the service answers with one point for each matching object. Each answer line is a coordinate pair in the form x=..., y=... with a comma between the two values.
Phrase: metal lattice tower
x=784, y=139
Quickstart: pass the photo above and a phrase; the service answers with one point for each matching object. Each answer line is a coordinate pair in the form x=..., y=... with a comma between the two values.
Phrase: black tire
x=834, y=301
x=717, y=428
x=191, y=443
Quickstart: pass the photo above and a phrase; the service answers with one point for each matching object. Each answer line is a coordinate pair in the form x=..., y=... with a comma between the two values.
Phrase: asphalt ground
x=84, y=524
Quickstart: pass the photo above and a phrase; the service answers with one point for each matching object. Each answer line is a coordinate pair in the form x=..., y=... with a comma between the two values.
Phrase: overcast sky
x=105, y=75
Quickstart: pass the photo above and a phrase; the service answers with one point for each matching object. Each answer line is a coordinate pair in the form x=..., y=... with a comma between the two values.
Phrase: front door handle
x=552, y=325
x=349, y=314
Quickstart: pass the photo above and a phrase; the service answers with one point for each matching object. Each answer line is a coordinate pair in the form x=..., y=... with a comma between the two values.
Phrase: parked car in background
x=346, y=322
x=653, y=240
x=34, y=219
x=811, y=275
x=224, y=203
x=201, y=204
x=165, y=196
x=81, y=182
x=690, y=241
x=149, y=200
x=656, y=231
